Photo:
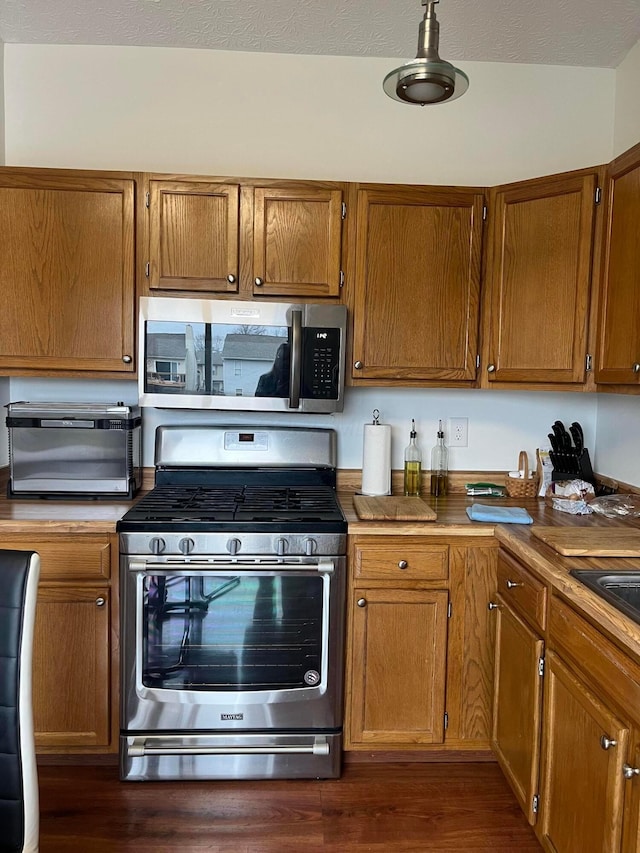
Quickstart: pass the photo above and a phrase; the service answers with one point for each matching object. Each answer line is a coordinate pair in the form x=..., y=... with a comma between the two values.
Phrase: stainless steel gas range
x=232, y=608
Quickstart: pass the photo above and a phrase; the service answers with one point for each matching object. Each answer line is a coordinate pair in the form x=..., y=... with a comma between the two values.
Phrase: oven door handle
x=138, y=747
x=323, y=567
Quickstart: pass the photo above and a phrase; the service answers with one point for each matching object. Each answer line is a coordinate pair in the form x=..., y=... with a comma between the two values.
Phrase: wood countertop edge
x=553, y=569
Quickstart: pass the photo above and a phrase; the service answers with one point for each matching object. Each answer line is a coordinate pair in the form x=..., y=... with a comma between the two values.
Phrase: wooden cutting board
x=389, y=508
x=592, y=542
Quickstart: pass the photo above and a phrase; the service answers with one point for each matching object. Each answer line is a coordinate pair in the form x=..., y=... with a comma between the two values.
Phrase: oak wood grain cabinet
x=420, y=649
x=521, y=609
x=618, y=355
x=416, y=262
x=75, y=642
x=229, y=236
x=537, y=286
x=590, y=768
x=67, y=272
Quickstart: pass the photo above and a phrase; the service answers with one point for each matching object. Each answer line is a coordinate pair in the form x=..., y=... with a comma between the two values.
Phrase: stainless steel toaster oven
x=74, y=450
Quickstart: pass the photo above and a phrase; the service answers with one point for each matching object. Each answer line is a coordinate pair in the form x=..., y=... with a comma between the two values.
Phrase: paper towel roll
x=376, y=460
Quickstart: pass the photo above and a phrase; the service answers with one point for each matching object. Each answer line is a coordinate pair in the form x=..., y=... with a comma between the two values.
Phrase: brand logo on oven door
x=232, y=716
x=312, y=677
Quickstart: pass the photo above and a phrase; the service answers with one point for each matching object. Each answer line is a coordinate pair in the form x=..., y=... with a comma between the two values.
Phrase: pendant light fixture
x=427, y=79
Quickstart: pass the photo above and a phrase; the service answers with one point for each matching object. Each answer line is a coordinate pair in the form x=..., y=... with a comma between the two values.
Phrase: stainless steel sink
x=622, y=590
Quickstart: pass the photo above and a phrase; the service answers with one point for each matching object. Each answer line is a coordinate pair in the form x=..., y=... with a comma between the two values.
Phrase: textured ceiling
x=553, y=32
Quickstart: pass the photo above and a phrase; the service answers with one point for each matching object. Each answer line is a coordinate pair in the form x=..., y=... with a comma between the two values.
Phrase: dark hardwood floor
x=373, y=807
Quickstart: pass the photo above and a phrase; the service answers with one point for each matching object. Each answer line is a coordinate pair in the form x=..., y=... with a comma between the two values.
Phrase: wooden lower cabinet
x=517, y=705
x=583, y=785
x=75, y=645
x=71, y=666
x=398, y=672
x=420, y=644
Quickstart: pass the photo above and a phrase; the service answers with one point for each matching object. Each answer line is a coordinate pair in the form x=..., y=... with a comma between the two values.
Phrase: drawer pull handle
x=362, y=602
x=513, y=584
x=629, y=772
x=100, y=602
x=607, y=743
x=403, y=564
x=493, y=606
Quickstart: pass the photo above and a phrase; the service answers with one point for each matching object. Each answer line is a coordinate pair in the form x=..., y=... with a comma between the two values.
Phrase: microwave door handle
x=295, y=375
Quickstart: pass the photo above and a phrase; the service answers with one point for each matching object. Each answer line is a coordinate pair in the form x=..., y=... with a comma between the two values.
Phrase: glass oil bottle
x=439, y=465
x=412, y=465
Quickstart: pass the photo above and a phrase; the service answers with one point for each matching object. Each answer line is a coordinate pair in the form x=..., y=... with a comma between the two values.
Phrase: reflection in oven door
x=231, y=632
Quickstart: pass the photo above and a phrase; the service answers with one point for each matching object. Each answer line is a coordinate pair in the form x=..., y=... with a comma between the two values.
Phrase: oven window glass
x=243, y=632
x=216, y=359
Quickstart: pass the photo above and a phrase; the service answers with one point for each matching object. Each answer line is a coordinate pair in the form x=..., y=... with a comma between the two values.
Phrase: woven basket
x=525, y=486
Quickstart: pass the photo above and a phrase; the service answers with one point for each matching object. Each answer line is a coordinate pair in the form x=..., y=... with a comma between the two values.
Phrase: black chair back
x=19, y=812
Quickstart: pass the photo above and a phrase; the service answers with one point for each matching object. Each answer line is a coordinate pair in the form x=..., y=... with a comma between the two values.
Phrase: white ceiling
x=589, y=33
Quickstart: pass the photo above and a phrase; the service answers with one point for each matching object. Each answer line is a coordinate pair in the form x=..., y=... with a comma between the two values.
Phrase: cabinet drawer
x=523, y=592
x=65, y=557
x=401, y=560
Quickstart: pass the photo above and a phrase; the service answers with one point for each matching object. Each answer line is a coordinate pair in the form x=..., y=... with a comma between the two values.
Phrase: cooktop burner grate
x=240, y=503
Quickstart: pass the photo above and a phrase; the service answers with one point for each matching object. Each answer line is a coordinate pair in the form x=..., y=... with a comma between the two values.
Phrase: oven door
x=228, y=646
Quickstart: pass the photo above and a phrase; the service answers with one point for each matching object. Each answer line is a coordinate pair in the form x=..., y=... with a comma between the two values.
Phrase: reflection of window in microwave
x=212, y=358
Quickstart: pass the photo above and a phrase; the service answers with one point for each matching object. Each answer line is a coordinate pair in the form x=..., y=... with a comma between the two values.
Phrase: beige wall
x=275, y=115
x=618, y=416
x=627, y=103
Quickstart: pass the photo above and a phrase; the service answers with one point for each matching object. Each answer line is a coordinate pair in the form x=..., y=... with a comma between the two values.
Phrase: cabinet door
x=517, y=705
x=71, y=659
x=584, y=748
x=417, y=283
x=193, y=234
x=538, y=280
x=618, y=358
x=67, y=272
x=398, y=657
x=297, y=242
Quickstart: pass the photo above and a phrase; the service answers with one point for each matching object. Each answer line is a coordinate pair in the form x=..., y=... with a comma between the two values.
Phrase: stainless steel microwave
x=244, y=356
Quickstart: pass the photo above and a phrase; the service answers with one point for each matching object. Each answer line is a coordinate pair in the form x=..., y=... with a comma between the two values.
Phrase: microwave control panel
x=320, y=363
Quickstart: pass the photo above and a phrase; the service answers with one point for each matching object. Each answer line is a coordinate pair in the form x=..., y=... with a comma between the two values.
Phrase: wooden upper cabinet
x=193, y=236
x=538, y=280
x=67, y=272
x=417, y=283
x=238, y=238
x=618, y=357
x=297, y=242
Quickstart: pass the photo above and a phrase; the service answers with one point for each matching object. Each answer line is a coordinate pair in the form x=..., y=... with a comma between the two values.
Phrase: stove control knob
x=310, y=547
x=281, y=546
x=233, y=546
x=186, y=546
x=157, y=545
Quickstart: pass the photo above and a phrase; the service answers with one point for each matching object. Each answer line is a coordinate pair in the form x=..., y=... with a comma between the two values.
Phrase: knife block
x=572, y=466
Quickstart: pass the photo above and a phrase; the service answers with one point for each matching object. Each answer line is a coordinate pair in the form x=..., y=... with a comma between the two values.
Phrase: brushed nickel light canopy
x=427, y=79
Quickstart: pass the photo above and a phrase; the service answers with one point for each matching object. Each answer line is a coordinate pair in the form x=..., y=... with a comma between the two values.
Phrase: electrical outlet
x=458, y=432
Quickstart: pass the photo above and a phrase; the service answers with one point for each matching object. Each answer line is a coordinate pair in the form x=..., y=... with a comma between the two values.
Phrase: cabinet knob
x=629, y=772
x=491, y=368
x=231, y=278
x=403, y=564
x=100, y=602
x=493, y=606
x=358, y=365
x=127, y=359
x=607, y=743
x=361, y=602
x=636, y=367
x=513, y=584
x=259, y=282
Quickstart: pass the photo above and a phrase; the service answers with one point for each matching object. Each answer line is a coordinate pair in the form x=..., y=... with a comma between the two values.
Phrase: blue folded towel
x=499, y=514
